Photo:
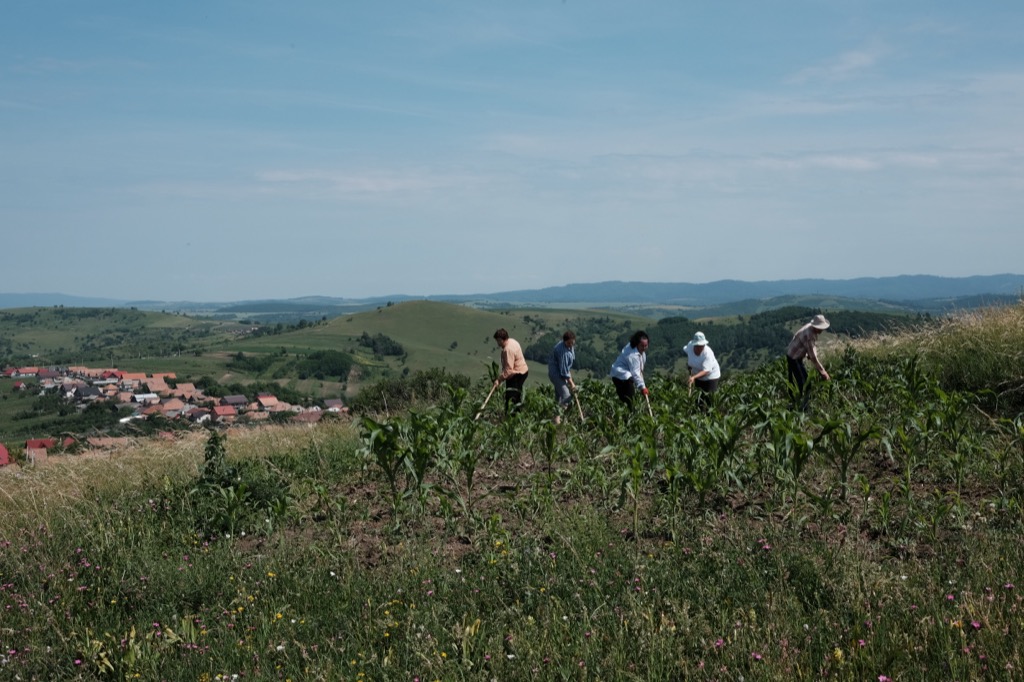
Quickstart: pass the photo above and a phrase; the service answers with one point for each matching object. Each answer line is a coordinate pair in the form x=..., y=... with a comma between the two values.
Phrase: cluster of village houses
x=143, y=396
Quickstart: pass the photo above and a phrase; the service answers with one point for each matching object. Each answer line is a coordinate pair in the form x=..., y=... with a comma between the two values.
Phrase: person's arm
x=506, y=365
x=565, y=367
x=636, y=368
x=812, y=353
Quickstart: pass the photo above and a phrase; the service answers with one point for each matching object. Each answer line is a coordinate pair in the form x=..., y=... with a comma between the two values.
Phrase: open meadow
x=874, y=537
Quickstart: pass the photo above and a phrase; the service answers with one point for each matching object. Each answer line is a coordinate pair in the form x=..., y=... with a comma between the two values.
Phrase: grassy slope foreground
x=874, y=538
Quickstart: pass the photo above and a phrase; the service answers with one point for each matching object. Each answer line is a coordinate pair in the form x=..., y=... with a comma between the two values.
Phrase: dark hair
x=501, y=335
x=638, y=336
x=568, y=336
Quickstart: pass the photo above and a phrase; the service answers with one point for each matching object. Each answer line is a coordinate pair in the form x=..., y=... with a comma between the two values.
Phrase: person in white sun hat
x=704, y=369
x=803, y=346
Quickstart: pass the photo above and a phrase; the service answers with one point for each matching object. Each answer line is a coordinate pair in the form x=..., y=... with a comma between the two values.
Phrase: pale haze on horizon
x=240, y=150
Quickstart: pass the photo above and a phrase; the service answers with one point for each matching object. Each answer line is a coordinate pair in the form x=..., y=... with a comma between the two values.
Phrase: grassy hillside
x=874, y=537
x=71, y=336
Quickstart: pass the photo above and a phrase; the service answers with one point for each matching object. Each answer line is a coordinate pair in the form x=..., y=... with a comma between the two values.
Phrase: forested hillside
x=742, y=343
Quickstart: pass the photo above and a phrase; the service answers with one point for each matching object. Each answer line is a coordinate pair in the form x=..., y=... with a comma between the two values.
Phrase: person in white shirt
x=628, y=369
x=704, y=369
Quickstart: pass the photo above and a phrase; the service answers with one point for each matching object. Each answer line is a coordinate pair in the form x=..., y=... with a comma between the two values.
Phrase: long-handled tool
x=649, y=410
x=486, y=400
x=578, y=406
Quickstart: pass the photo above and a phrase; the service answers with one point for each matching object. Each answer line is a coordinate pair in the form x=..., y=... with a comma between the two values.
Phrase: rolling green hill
x=70, y=336
x=434, y=335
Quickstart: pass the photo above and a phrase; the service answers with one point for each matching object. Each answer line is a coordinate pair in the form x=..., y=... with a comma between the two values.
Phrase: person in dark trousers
x=560, y=371
x=628, y=369
x=514, y=370
x=803, y=346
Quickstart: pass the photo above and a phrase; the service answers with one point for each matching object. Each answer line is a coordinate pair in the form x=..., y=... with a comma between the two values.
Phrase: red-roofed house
x=186, y=391
x=224, y=413
x=36, y=449
x=172, y=407
x=133, y=379
x=266, y=402
x=308, y=417
x=158, y=386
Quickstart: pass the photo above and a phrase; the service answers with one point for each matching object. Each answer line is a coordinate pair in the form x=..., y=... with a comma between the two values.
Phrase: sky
x=246, y=149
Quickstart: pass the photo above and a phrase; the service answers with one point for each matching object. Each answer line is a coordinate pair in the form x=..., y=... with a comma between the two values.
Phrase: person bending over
x=513, y=370
x=628, y=369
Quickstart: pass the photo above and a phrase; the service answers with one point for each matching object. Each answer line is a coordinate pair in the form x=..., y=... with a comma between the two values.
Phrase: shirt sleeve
x=565, y=364
x=507, y=363
x=636, y=368
x=812, y=353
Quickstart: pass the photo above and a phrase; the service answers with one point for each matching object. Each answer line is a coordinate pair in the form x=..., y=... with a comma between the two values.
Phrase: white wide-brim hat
x=819, y=322
x=699, y=339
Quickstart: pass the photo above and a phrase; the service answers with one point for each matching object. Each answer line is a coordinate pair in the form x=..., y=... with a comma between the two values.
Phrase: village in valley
x=141, y=397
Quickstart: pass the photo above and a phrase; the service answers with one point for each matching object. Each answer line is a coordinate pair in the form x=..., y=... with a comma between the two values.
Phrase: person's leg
x=625, y=389
x=705, y=399
x=562, y=396
x=797, y=380
x=514, y=391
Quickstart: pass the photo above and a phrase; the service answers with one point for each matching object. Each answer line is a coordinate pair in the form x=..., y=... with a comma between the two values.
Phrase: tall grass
x=980, y=351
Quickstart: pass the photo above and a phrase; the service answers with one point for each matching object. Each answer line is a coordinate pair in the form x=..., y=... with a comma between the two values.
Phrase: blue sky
x=257, y=149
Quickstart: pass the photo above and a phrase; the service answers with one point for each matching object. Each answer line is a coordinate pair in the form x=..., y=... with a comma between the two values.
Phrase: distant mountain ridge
x=897, y=289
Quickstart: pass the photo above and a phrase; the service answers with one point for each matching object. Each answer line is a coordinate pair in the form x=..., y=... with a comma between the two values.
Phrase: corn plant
x=639, y=456
x=384, y=442
x=843, y=440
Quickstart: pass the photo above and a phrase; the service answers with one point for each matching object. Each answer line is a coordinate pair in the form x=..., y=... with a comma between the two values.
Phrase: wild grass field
x=874, y=537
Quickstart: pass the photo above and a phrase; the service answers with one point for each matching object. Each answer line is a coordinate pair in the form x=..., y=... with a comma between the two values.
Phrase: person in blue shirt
x=560, y=371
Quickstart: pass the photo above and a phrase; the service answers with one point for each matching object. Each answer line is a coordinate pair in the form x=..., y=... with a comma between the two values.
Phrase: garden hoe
x=649, y=410
x=486, y=400
x=578, y=406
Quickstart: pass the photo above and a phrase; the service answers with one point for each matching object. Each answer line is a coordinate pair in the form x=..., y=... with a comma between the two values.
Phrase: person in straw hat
x=704, y=369
x=803, y=346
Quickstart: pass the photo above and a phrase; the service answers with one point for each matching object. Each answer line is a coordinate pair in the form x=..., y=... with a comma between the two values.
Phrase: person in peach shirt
x=514, y=370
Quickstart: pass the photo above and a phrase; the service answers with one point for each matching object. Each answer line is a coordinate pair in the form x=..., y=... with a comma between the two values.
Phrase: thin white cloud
x=845, y=66
x=363, y=183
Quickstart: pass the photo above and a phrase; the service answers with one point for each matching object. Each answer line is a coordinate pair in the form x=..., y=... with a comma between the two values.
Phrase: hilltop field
x=356, y=358
x=873, y=537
